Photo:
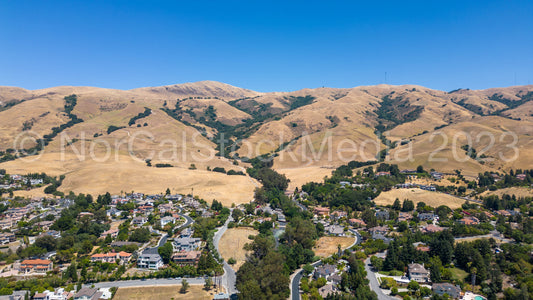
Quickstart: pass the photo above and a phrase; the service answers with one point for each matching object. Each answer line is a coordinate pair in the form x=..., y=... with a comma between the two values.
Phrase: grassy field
x=232, y=243
x=163, y=293
x=517, y=191
x=125, y=175
x=458, y=273
x=301, y=176
x=433, y=199
x=327, y=245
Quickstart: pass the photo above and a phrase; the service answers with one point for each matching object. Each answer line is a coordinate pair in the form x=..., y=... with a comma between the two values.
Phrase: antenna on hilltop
x=385, y=77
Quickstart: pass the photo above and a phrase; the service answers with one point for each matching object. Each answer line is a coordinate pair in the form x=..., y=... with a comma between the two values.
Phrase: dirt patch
x=328, y=245
x=163, y=293
x=232, y=243
x=433, y=199
x=517, y=191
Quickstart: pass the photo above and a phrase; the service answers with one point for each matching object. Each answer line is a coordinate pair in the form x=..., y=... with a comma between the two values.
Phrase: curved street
x=229, y=278
x=164, y=237
x=298, y=274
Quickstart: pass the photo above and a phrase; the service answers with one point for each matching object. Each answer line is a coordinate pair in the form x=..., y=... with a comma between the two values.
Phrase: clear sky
x=266, y=45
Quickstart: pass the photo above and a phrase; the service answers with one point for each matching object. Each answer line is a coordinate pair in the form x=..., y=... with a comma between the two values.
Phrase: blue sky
x=268, y=45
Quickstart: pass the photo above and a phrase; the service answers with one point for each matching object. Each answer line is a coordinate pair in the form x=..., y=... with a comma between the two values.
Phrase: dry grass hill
x=102, y=140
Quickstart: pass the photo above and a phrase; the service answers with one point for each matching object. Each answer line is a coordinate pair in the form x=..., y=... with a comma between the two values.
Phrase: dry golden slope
x=341, y=120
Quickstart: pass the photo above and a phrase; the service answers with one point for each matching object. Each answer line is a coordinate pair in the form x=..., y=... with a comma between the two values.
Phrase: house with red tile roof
x=357, y=222
x=469, y=221
x=432, y=229
x=35, y=265
x=321, y=211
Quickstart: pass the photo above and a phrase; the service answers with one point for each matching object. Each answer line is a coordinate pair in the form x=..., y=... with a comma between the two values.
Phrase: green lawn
x=391, y=273
x=458, y=274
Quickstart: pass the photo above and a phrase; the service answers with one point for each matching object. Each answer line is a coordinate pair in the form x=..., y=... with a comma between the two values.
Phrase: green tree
x=377, y=262
x=413, y=286
x=184, y=286
x=208, y=283
x=435, y=269
x=165, y=252
x=397, y=205
x=408, y=205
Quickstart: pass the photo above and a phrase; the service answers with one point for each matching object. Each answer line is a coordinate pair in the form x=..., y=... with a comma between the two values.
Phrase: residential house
x=335, y=279
x=104, y=257
x=469, y=221
x=436, y=175
x=418, y=273
x=167, y=220
x=426, y=216
x=112, y=232
x=186, y=233
x=206, y=213
x=357, y=222
x=335, y=230
x=382, y=214
x=167, y=207
x=328, y=289
x=176, y=197
x=503, y=213
x=378, y=174
x=324, y=271
x=187, y=258
x=85, y=214
x=59, y=294
x=35, y=266
x=6, y=223
x=88, y=294
x=36, y=181
x=338, y=214
x=454, y=291
x=431, y=229
x=379, y=230
x=321, y=211
x=53, y=233
x=124, y=257
x=422, y=248
x=149, y=261
x=44, y=225
x=6, y=238
x=521, y=177
x=113, y=212
x=187, y=244
x=139, y=221
x=404, y=216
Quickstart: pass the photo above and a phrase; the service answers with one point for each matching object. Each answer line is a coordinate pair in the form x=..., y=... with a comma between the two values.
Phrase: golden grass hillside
x=337, y=126
x=517, y=191
x=416, y=195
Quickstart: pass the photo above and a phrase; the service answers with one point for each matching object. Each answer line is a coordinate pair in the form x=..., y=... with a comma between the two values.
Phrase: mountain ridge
x=284, y=124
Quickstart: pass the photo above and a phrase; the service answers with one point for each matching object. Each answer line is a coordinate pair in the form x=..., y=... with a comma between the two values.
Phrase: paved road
x=147, y=282
x=374, y=285
x=229, y=278
x=297, y=276
x=164, y=238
